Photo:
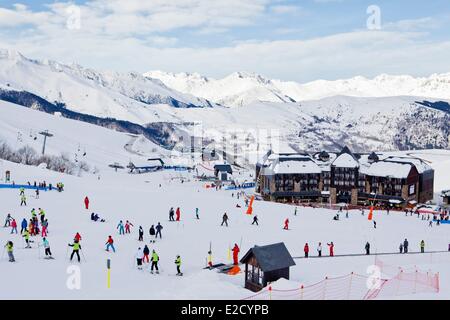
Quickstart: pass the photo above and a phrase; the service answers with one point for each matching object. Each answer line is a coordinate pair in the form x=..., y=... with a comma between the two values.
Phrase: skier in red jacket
x=286, y=224
x=235, y=254
x=306, y=250
x=331, y=247
x=86, y=202
x=178, y=213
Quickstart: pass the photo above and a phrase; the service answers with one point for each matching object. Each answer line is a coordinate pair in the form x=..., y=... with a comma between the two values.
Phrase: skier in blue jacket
x=121, y=228
x=24, y=225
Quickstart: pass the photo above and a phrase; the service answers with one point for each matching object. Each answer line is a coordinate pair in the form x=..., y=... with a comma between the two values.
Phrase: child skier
x=26, y=235
x=76, y=248
x=128, y=224
x=9, y=248
x=121, y=228
x=110, y=244
x=178, y=264
x=23, y=200
x=46, y=245
x=155, y=259
x=13, y=226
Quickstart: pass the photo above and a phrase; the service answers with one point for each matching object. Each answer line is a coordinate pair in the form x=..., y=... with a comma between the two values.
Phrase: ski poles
x=82, y=254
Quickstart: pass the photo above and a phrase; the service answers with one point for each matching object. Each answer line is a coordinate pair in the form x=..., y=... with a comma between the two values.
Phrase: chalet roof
x=270, y=257
x=373, y=156
x=421, y=165
x=389, y=169
x=223, y=168
x=346, y=159
x=296, y=166
x=324, y=154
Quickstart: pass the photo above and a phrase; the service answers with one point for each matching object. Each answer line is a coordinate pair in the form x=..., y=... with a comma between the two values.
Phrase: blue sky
x=290, y=40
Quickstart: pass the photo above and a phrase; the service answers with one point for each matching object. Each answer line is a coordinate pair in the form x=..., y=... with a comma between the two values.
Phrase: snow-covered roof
x=389, y=169
x=421, y=165
x=345, y=160
x=293, y=166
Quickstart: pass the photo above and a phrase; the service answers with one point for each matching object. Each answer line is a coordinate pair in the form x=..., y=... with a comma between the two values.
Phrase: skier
x=286, y=224
x=76, y=248
x=121, y=228
x=13, y=226
x=141, y=234
x=42, y=214
x=295, y=211
x=26, y=235
x=46, y=246
x=405, y=246
x=235, y=254
x=23, y=200
x=306, y=250
x=44, y=228
x=8, y=220
x=86, y=203
x=22, y=191
x=255, y=220
x=430, y=223
x=128, y=224
x=77, y=237
x=331, y=248
x=37, y=193
x=196, y=213
x=158, y=228
x=152, y=232
x=374, y=224
x=367, y=248
x=139, y=257
x=9, y=248
x=146, y=252
x=225, y=219
x=178, y=264
x=422, y=246
x=171, y=214
x=346, y=214
x=23, y=225
x=178, y=213
x=401, y=247
x=319, y=249
x=155, y=259
x=110, y=244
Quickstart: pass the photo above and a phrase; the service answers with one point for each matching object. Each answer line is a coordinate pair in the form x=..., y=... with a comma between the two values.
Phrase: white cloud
x=285, y=9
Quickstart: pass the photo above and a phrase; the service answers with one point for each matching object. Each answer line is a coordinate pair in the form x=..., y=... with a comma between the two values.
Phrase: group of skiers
x=319, y=249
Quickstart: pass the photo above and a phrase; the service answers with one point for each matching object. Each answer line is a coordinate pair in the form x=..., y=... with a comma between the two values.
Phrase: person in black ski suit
x=158, y=228
x=141, y=234
x=255, y=220
x=367, y=248
x=225, y=219
x=405, y=246
x=171, y=214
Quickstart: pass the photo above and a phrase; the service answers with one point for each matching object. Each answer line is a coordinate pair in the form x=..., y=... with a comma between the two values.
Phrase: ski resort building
x=446, y=197
x=344, y=177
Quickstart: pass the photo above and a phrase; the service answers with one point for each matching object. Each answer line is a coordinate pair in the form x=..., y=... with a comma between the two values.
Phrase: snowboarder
x=255, y=220
x=286, y=224
x=319, y=249
x=86, y=203
x=8, y=221
x=23, y=225
x=401, y=247
x=139, y=257
x=77, y=237
x=405, y=246
x=128, y=225
x=422, y=246
x=306, y=250
x=178, y=213
x=225, y=219
x=121, y=227
x=331, y=248
x=146, y=252
x=110, y=244
x=367, y=248
x=171, y=214
x=23, y=200
x=46, y=246
x=178, y=264
x=76, y=248
x=9, y=248
x=155, y=259
x=235, y=254
x=158, y=228
x=26, y=236
x=141, y=234
x=13, y=226
x=196, y=213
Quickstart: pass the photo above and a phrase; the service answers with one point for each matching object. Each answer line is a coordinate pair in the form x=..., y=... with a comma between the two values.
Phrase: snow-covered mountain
x=240, y=88
x=108, y=94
